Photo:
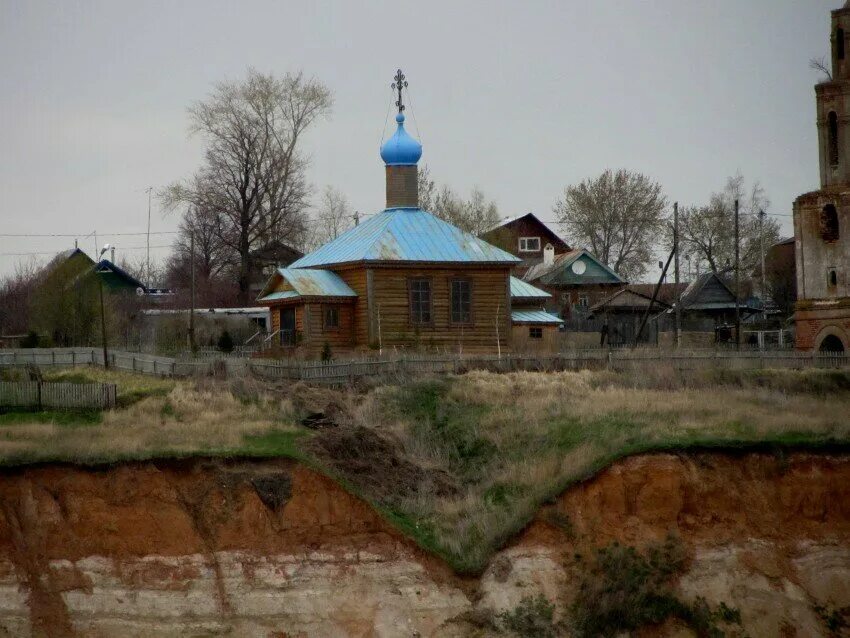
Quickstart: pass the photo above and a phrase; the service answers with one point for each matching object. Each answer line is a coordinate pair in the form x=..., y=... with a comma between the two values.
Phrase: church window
x=829, y=223
x=832, y=127
x=832, y=278
x=461, y=301
x=331, y=318
x=420, y=301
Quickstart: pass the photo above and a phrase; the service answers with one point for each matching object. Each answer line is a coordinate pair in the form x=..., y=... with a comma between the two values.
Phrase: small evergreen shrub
x=624, y=590
x=532, y=618
x=327, y=354
x=31, y=340
x=225, y=342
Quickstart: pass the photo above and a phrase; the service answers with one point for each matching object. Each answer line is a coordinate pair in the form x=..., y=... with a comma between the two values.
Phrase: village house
x=707, y=311
x=401, y=279
x=526, y=237
x=822, y=217
x=576, y=280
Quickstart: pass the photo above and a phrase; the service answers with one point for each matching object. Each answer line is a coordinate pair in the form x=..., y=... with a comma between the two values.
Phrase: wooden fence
x=119, y=360
x=403, y=364
x=342, y=372
x=35, y=394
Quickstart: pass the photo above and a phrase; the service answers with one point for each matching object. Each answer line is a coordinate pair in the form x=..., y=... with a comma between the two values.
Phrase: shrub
x=532, y=618
x=836, y=621
x=225, y=342
x=31, y=340
x=624, y=590
x=327, y=354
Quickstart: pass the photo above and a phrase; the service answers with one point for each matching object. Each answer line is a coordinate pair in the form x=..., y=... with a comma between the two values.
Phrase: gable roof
x=628, y=298
x=405, y=235
x=708, y=292
x=510, y=221
x=560, y=270
x=521, y=291
x=278, y=252
x=116, y=277
x=305, y=282
x=666, y=294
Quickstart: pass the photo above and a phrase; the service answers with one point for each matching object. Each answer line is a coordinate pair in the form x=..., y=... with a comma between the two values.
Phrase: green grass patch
x=130, y=388
x=67, y=418
x=284, y=443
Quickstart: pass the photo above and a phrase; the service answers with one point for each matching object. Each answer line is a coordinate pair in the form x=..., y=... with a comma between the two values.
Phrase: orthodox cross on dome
x=399, y=84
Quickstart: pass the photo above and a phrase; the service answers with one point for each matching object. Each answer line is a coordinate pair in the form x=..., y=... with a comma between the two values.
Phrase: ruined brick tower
x=822, y=217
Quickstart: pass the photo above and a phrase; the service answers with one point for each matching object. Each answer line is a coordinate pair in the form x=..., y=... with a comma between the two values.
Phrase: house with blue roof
x=403, y=278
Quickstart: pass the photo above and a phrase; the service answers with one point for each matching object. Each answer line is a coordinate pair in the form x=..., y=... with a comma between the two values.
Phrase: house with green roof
x=575, y=280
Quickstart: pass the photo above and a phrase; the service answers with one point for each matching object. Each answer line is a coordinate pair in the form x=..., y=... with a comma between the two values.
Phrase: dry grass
x=500, y=444
x=188, y=419
x=513, y=441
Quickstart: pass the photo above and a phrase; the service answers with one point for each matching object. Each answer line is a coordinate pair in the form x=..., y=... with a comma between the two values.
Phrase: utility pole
x=102, y=309
x=761, y=250
x=148, y=260
x=737, y=278
x=676, y=274
x=192, y=294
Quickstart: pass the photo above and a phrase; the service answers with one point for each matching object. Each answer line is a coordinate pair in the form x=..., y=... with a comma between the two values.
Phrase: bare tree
x=16, y=291
x=137, y=267
x=427, y=189
x=253, y=179
x=618, y=216
x=334, y=216
x=708, y=232
x=474, y=215
x=819, y=64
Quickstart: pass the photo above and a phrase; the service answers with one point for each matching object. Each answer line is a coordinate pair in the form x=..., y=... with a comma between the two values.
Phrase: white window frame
x=523, y=244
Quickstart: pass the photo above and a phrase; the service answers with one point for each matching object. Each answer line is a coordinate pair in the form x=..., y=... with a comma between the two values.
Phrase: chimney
x=112, y=254
x=548, y=255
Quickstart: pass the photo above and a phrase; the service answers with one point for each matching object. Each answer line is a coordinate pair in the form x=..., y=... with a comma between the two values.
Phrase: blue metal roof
x=408, y=235
x=306, y=283
x=534, y=316
x=280, y=296
x=523, y=290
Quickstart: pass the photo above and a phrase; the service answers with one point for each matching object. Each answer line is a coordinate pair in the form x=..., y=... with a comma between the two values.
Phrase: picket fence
x=40, y=395
x=398, y=364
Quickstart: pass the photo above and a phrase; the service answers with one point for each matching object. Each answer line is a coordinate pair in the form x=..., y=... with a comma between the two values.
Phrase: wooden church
x=403, y=278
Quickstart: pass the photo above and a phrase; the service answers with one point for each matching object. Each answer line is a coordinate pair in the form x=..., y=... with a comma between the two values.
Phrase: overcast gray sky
x=517, y=98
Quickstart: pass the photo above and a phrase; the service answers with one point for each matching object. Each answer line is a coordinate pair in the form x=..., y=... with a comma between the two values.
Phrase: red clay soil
x=266, y=507
x=175, y=509
x=707, y=499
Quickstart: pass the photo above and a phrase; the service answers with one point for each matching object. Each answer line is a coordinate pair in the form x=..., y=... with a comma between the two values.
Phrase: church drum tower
x=822, y=217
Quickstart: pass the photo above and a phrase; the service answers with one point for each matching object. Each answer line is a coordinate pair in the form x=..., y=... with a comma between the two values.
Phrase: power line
x=53, y=252
x=75, y=235
x=306, y=223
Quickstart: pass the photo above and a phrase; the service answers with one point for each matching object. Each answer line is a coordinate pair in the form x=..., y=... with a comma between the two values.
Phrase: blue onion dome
x=401, y=149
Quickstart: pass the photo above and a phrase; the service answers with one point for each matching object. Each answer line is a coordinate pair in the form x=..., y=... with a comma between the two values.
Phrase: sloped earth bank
x=272, y=549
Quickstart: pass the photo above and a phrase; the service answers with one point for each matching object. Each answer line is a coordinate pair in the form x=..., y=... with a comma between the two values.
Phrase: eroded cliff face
x=270, y=548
